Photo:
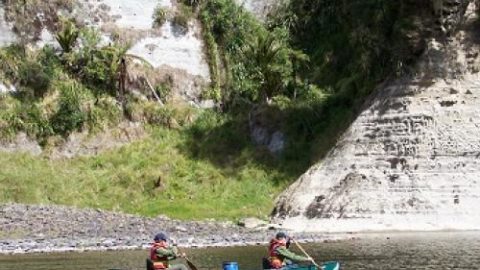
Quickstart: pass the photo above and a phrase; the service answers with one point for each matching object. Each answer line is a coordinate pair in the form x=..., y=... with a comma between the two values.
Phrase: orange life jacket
x=276, y=262
x=158, y=262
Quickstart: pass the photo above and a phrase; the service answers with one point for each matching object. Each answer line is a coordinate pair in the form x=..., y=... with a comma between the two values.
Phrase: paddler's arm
x=291, y=256
x=171, y=252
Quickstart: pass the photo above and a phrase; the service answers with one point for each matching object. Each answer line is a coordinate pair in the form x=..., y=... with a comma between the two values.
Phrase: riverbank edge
x=25, y=251
x=27, y=229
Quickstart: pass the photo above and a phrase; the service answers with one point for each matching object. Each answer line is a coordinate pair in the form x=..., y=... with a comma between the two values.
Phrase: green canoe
x=326, y=266
x=333, y=265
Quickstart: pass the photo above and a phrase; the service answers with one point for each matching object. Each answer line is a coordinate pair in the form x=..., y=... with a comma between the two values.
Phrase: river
x=455, y=250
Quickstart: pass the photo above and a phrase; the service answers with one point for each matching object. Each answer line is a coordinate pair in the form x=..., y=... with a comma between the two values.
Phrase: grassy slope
x=223, y=184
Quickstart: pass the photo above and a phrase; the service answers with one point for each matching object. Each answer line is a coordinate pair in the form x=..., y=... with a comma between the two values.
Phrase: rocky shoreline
x=44, y=229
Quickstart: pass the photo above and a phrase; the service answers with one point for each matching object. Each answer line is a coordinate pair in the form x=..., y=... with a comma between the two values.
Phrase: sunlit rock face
x=260, y=8
x=411, y=160
x=6, y=34
x=176, y=55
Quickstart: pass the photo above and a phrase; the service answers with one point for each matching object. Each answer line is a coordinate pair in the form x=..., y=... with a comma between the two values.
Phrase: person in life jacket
x=161, y=253
x=280, y=256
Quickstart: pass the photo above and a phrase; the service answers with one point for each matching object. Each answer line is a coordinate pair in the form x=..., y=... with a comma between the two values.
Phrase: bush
x=159, y=115
x=160, y=16
x=70, y=116
x=182, y=18
x=32, y=75
x=164, y=91
x=10, y=60
x=102, y=113
x=193, y=3
x=26, y=117
x=258, y=61
x=67, y=36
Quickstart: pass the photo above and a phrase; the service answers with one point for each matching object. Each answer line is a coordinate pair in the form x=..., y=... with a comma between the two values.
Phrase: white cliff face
x=181, y=51
x=136, y=15
x=259, y=8
x=6, y=34
x=410, y=161
x=172, y=53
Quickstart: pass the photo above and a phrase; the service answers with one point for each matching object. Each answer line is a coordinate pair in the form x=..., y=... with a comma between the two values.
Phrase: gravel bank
x=40, y=228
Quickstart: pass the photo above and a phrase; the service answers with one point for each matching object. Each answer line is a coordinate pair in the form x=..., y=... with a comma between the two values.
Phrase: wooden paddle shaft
x=306, y=254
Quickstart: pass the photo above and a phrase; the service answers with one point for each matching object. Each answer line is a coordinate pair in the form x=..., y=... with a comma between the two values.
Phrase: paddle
x=306, y=254
x=190, y=264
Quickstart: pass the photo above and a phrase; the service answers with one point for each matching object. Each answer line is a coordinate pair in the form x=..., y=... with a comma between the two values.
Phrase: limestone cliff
x=260, y=8
x=411, y=160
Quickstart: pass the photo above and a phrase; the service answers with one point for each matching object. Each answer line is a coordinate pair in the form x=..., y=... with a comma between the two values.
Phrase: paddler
x=161, y=253
x=279, y=255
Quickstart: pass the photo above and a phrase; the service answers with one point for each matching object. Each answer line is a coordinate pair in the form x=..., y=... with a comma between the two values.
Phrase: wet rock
x=251, y=223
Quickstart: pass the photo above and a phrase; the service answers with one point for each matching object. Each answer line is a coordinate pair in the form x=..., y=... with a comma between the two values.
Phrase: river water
x=374, y=251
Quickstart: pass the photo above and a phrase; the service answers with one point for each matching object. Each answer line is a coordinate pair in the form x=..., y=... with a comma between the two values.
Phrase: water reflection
x=401, y=251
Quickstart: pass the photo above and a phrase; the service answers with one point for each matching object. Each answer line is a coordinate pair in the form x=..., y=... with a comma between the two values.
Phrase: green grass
x=124, y=180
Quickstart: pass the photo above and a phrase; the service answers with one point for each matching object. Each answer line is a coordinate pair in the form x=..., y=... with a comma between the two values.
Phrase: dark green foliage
x=33, y=72
x=96, y=66
x=70, y=116
x=160, y=16
x=230, y=24
x=49, y=60
x=164, y=91
x=67, y=36
x=355, y=43
x=85, y=79
x=30, y=119
x=257, y=61
x=193, y=3
x=33, y=76
x=10, y=60
x=270, y=61
x=182, y=17
x=101, y=69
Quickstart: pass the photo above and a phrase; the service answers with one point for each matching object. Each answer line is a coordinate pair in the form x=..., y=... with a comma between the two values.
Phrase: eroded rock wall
x=6, y=34
x=260, y=8
x=411, y=160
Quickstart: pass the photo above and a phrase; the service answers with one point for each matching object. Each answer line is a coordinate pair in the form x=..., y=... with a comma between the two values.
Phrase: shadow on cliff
x=311, y=130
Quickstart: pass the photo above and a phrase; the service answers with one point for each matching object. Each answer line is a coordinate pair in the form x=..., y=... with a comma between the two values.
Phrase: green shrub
x=258, y=61
x=70, y=115
x=182, y=17
x=67, y=36
x=32, y=75
x=158, y=115
x=8, y=116
x=103, y=112
x=193, y=3
x=164, y=91
x=32, y=71
x=19, y=115
x=49, y=61
x=160, y=16
x=11, y=58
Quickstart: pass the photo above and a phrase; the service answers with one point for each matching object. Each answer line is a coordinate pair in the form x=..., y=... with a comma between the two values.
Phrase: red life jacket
x=275, y=260
x=158, y=262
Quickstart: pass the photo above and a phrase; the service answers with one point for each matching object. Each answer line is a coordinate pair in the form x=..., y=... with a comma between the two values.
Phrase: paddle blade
x=331, y=266
x=191, y=265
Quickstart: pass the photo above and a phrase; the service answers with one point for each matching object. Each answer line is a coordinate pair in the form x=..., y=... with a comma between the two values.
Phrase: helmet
x=160, y=237
x=281, y=235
